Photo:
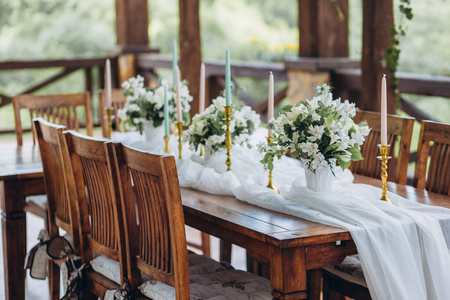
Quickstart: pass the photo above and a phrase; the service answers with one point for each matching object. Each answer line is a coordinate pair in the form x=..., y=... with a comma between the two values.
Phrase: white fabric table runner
x=403, y=248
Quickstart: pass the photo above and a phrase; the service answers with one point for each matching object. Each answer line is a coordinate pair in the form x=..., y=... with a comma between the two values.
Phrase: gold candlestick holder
x=180, y=132
x=109, y=118
x=384, y=174
x=202, y=150
x=166, y=139
x=271, y=185
x=228, y=142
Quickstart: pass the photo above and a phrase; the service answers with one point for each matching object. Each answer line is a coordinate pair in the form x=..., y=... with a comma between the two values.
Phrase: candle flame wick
x=384, y=75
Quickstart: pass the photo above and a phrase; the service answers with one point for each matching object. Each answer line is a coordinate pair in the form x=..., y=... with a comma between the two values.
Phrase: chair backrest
x=100, y=217
x=399, y=129
x=158, y=245
x=437, y=179
x=61, y=201
x=118, y=100
x=59, y=109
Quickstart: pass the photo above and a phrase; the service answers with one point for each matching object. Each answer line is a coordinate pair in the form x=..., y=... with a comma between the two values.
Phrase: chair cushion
x=198, y=264
x=209, y=279
x=350, y=270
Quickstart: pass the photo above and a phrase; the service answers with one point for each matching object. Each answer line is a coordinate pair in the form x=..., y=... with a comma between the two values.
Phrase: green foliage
x=392, y=54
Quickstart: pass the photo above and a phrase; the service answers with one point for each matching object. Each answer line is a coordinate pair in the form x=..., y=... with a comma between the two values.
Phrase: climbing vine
x=392, y=54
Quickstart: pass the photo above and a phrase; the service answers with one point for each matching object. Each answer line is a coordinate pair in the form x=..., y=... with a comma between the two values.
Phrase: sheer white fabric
x=403, y=248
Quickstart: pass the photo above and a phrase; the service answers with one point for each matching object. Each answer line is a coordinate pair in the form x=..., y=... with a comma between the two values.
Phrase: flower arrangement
x=146, y=104
x=208, y=128
x=320, y=132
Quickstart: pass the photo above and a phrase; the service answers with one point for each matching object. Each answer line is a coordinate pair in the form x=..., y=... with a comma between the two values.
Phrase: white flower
x=327, y=99
x=314, y=103
x=365, y=130
x=316, y=132
x=309, y=148
x=358, y=137
x=219, y=103
x=133, y=107
x=318, y=161
x=294, y=113
x=122, y=113
x=295, y=137
x=315, y=116
x=346, y=157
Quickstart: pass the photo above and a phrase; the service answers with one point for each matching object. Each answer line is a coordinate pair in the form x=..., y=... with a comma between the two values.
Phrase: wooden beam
x=322, y=31
x=53, y=63
x=409, y=83
x=132, y=25
x=259, y=70
x=190, y=48
x=377, y=19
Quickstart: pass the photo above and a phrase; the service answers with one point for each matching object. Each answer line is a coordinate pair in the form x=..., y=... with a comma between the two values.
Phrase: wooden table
x=292, y=245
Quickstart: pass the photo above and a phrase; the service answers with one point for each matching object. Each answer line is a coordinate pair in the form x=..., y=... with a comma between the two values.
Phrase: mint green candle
x=174, y=62
x=228, y=78
x=166, y=113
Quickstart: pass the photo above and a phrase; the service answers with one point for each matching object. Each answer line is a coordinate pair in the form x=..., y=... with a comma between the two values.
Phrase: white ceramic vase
x=321, y=180
x=154, y=135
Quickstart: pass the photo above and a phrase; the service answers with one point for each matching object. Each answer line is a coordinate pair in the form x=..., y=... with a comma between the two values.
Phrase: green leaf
x=356, y=153
x=329, y=120
x=344, y=165
x=270, y=166
x=286, y=108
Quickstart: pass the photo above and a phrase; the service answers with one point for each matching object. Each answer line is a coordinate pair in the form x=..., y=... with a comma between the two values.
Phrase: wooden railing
x=68, y=67
x=345, y=80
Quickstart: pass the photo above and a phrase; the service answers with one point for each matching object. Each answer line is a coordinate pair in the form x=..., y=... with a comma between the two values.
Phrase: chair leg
x=314, y=284
x=53, y=280
x=225, y=251
x=206, y=244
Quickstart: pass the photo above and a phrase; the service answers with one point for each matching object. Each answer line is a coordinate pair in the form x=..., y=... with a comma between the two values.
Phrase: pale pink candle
x=383, y=111
x=271, y=101
x=201, y=107
x=179, y=118
x=108, y=84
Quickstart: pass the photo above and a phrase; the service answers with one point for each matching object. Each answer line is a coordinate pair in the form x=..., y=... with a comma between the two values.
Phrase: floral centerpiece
x=147, y=105
x=320, y=132
x=208, y=128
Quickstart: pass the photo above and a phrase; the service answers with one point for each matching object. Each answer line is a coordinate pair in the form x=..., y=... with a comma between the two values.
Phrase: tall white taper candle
x=271, y=102
x=179, y=119
x=108, y=84
x=383, y=111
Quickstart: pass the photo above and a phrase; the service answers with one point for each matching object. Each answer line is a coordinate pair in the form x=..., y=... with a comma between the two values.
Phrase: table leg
x=225, y=251
x=288, y=273
x=14, y=238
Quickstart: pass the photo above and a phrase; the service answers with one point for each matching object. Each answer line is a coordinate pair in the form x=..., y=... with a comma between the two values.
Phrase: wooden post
x=190, y=48
x=377, y=19
x=132, y=25
x=322, y=32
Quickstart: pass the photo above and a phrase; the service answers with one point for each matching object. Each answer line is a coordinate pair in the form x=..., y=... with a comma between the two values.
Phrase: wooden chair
x=58, y=109
x=399, y=130
x=101, y=223
x=157, y=246
x=61, y=203
x=437, y=178
x=118, y=100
